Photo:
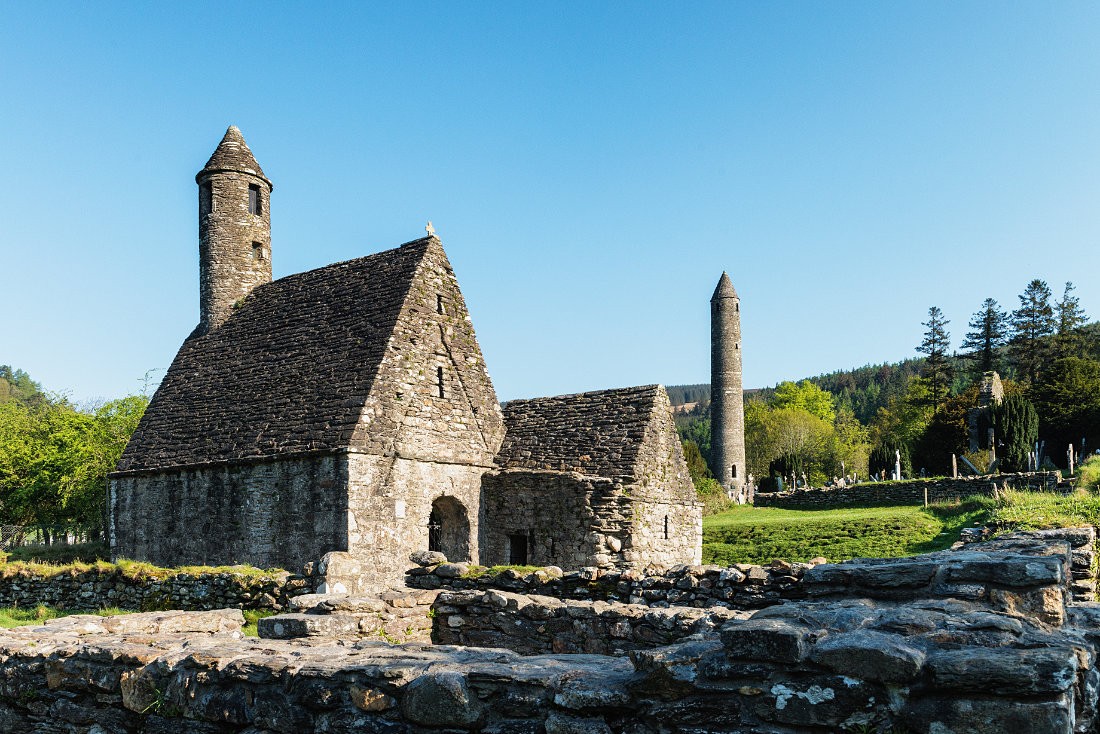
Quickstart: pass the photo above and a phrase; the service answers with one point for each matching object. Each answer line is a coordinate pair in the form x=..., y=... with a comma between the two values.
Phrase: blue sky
x=592, y=169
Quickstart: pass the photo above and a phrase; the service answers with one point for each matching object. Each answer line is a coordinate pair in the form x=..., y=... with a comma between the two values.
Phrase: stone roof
x=289, y=371
x=725, y=288
x=594, y=433
x=233, y=154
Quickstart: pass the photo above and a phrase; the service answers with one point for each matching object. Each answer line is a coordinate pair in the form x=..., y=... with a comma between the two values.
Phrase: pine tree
x=1070, y=318
x=937, y=370
x=1015, y=428
x=1032, y=323
x=988, y=333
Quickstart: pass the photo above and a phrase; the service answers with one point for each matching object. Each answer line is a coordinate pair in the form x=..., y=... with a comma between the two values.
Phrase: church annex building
x=349, y=409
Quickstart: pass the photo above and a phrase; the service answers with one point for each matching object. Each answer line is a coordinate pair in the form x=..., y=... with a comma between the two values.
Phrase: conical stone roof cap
x=233, y=154
x=725, y=288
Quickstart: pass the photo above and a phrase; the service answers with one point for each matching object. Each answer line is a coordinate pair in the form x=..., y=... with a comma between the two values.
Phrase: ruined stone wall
x=101, y=587
x=391, y=500
x=907, y=493
x=951, y=642
x=742, y=586
x=270, y=514
x=536, y=625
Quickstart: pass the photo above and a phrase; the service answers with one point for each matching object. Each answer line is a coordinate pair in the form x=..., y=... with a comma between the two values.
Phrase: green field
x=760, y=535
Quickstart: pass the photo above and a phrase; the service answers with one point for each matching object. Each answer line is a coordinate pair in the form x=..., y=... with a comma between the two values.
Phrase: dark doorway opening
x=449, y=529
x=517, y=550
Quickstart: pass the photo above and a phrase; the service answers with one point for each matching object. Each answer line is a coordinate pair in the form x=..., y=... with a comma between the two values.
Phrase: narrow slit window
x=734, y=468
x=206, y=198
x=254, y=199
x=439, y=381
x=257, y=251
x=438, y=303
x=666, y=527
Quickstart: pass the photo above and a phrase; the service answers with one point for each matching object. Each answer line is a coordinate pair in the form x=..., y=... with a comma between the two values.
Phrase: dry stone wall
x=736, y=587
x=890, y=654
x=534, y=625
x=106, y=587
x=907, y=493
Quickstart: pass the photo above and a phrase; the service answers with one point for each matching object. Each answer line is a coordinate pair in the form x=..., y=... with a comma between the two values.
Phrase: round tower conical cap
x=233, y=154
x=725, y=288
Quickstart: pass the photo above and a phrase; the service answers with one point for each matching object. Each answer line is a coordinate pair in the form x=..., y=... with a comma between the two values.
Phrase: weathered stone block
x=873, y=656
x=766, y=639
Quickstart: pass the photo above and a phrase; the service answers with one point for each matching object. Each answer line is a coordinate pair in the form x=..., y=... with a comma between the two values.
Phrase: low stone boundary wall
x=906, y=493
x=736, y=587
x=942, y=643
x=102, y=587
x=533, y=625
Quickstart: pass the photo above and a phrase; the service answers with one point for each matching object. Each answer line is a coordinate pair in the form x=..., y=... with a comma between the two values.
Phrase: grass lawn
x=24, y=616
x=760, y=535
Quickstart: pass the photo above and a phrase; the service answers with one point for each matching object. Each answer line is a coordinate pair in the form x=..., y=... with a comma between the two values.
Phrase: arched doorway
x=449, y=529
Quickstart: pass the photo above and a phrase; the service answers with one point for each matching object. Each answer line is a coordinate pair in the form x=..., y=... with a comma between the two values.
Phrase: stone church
x=349, y=409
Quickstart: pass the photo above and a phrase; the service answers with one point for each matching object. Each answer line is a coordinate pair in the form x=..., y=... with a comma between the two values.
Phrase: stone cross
x=430, y=229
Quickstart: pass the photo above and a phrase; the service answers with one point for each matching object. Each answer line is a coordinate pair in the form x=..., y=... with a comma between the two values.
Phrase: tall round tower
x=727, y=400
x=234, y=229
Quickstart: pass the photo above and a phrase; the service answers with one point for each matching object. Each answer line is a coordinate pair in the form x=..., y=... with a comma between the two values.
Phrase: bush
x=713, y=496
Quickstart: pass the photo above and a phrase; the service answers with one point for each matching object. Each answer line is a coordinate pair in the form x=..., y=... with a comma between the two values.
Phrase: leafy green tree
x=17, y=385
x=988, y=333
x=947, y=433
x=1070, y=317
x=1067, y=399
x=1016, y=429
x=1032, y=323
x=937, y=369
x=805, y=395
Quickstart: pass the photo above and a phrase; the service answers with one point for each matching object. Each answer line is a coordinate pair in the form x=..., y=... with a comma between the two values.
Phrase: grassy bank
x=24, y=616
x=760, y=535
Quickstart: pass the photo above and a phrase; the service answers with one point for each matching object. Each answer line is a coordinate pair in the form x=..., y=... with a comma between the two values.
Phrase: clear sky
x=592, y=168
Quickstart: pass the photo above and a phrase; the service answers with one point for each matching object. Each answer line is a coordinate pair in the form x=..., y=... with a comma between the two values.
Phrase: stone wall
x=101, y=587
x=269, y=514
x=534, y=625
x=1001, y=652
x=907, y=493
x=742, y=586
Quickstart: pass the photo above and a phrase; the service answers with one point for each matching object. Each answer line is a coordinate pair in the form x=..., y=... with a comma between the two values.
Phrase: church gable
x=660, y=467
x=433, y=398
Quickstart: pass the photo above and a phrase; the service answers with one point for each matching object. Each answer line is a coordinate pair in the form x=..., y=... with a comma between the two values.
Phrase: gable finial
x=430, y=229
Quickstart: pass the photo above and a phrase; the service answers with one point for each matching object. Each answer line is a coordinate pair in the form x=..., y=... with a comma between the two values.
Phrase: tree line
x=55, y=455
x=858, y=421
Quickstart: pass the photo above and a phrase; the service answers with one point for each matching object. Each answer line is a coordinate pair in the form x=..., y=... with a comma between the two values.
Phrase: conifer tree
x=1015, y=428
x=937, y=370
x=988, y=333
x=1032, y=325
x=1070, y=317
